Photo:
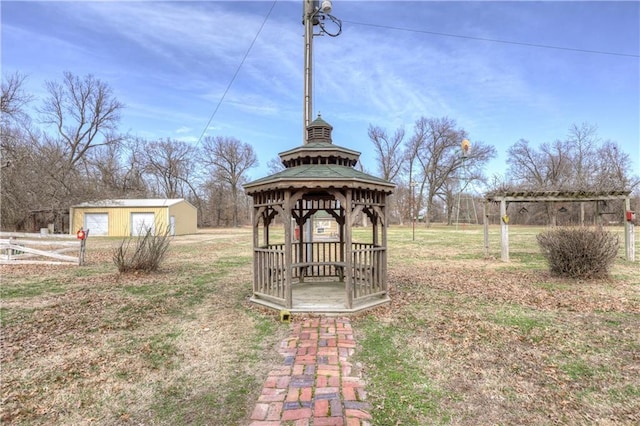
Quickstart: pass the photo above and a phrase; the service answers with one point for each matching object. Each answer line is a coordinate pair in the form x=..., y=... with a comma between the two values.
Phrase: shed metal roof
x=134, y=202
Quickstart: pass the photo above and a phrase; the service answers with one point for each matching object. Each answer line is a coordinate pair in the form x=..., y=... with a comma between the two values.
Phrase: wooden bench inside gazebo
x=295, y=266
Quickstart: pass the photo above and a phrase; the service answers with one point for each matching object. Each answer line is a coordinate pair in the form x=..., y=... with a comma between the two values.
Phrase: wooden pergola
x=558, y=197
x=340, y=273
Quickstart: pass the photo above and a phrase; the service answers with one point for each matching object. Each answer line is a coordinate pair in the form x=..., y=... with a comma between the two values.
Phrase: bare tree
x=229, y=160
x=118, y=169
x=19, y=177
x=275, y=165
x=580, y=162
x=614, y=169
x=217, y=204
x=388, y=151
x=53, y=170
x=436, y=145
x=20, y=163
x=546, y=168
x=84, y=113
x=171, y=164
x=13, y=98
x=582, y=143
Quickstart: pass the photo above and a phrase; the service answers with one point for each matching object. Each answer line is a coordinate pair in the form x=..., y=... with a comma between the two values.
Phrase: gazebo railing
x=270, y=273
x=368, y=261
x=367, y=268
x=326, y=260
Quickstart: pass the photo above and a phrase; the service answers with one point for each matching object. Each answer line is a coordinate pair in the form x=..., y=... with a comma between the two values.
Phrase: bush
x=146, y=255
x=579, y=252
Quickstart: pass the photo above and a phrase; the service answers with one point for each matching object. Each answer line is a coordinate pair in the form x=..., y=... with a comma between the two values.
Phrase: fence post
x=83, y=246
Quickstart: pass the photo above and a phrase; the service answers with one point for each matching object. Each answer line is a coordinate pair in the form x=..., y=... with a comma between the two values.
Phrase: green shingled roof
x=329, y=175
x=324, y=146
x=319, y=164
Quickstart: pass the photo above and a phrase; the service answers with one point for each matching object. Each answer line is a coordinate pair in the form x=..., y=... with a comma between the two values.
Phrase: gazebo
x=298, y=266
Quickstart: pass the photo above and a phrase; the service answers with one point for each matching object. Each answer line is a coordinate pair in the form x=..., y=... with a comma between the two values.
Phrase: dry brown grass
x=87, y=345
x=469, y=340
x=482, y=342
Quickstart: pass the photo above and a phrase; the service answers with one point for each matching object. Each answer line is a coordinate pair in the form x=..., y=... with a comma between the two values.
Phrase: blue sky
x=171, y=62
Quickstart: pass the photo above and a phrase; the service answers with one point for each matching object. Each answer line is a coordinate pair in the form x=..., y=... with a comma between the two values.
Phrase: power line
x=518, y=43
x=266, y=18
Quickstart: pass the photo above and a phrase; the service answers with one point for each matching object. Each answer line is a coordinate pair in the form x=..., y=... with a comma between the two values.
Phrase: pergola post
x=504, y=231
x=485, y=222
x=629, y=233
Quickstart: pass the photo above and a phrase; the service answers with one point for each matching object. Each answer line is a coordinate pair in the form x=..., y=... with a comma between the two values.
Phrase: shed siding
x=186, y=218
x=120, y=218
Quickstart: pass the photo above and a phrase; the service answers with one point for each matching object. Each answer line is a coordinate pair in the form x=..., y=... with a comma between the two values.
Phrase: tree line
x=71, y=151
x=67, y=149
x=432, y=171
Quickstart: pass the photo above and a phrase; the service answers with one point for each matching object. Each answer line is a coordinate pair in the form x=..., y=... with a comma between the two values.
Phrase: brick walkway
x=315, y=385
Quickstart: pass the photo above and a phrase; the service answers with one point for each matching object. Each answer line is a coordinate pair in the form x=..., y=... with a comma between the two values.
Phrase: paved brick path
x=315, y=385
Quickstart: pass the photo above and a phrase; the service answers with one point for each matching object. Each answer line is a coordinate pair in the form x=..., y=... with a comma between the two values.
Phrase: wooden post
x=504, y=231
x=256, y=215
x=287, y=250
x=485, y=222
x=348, y=241
x=83, y=246
x=383, y=258
x=629, y=234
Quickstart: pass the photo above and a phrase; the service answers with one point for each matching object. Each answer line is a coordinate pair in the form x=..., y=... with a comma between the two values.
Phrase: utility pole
x=314, y=13
x=308, y=17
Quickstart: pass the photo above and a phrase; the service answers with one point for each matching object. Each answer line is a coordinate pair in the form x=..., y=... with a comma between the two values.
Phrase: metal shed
x=130, y=217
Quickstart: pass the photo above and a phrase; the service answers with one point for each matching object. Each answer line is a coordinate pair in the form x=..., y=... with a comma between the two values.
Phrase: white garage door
x=141, y=222
x=97, y=223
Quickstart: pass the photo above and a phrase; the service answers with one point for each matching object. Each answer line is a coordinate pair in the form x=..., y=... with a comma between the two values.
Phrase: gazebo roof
x=319, y=176
x=319, y=164
x=320, y=149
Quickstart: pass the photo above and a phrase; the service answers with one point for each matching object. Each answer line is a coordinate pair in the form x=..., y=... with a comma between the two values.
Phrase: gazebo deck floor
x=324, y=298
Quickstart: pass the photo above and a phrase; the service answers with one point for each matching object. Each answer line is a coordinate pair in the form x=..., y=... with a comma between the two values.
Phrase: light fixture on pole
x=466, y=181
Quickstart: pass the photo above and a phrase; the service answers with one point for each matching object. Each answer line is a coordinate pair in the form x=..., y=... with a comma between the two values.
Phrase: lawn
x=466, y=340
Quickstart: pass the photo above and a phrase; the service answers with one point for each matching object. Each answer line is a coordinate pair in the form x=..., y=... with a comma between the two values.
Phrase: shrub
x=143, y=253
x=579, y=252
